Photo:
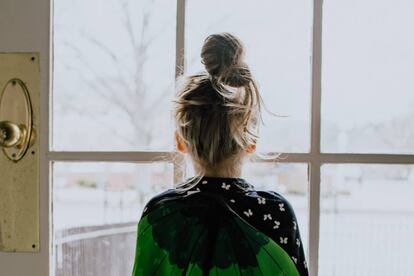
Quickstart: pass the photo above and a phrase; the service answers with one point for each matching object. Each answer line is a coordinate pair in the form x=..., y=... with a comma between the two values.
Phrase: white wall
x=25, y=27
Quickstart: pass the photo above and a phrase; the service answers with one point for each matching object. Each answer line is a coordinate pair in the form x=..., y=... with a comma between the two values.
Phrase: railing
x=352, y=243
x=106, y=250
x=366, y=243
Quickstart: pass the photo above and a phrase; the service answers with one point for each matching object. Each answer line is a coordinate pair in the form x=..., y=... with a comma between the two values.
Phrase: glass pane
x=96, y=207
x=114, y=72
x=367, y=220
x=367, y=83
x=277, y=36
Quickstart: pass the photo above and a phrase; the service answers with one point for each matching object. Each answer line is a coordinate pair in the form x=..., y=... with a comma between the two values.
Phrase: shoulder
x=275, y=197
x=159, y=198
x=269, y=195
x=272, y=199
x=165, y=194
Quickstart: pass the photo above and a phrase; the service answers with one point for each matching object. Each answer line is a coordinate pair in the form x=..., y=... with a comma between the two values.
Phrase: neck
x=221, y=171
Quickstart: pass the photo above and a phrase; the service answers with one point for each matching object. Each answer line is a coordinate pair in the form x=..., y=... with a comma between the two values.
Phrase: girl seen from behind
x=217, y=223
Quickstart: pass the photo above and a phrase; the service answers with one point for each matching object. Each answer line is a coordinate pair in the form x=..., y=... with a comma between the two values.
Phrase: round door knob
x=16, y=120
x=11, y=134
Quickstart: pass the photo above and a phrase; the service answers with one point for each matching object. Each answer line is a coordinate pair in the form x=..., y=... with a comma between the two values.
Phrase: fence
x=352, y=243
x=98, y=250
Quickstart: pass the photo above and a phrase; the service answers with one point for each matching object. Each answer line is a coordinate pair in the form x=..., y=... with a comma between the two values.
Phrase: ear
x=251, y=148
x=180, y=143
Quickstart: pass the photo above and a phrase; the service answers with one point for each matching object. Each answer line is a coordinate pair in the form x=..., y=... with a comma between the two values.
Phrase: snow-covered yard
x=367, y=231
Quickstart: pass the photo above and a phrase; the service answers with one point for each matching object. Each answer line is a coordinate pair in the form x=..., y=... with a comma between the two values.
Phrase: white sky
x=368, y=59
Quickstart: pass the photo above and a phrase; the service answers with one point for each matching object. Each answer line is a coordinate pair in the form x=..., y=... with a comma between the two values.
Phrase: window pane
x=277, y=36
x=114, y=71
x=367, y=83
x=96, y=207
x=367, y=220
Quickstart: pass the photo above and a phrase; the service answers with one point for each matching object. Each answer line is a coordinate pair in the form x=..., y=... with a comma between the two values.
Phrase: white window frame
x=315, y=158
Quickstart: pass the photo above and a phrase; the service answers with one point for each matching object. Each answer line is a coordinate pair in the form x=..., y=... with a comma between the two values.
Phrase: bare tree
x=123, y=89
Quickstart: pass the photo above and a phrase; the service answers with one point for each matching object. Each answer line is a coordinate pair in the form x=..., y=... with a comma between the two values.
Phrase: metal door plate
x=19, y=181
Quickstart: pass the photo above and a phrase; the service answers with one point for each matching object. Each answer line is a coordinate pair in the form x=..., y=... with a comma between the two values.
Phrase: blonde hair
x=217, y=112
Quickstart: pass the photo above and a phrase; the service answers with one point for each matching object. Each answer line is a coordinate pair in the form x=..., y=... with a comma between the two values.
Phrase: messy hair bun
x=217, y=111
x=222, y=55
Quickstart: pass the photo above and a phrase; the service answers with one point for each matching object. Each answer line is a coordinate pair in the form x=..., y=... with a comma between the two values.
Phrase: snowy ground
x=366, y=232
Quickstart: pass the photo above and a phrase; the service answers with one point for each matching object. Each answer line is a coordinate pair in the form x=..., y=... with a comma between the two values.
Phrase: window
x=367, y=90
x=366, y=219
x=340, y=81
x=278, y=47
x=113, y=75
x=96, y=206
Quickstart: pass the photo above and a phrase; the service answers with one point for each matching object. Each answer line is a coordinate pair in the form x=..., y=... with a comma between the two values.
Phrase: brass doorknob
x=17, y=134
x=12, y=135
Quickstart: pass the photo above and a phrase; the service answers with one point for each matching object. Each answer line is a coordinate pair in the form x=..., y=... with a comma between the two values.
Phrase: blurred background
x=113, y=86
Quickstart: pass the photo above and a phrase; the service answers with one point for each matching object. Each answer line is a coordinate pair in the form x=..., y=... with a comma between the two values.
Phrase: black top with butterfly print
x=267, y=211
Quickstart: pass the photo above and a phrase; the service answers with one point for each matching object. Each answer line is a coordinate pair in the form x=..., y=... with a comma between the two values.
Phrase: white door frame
x=25, y=27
